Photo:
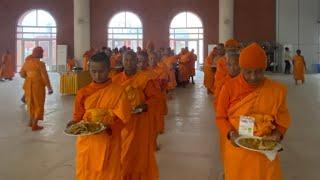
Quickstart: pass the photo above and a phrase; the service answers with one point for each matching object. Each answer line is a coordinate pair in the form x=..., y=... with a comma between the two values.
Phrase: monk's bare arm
x=283, y=118
x=45, y=76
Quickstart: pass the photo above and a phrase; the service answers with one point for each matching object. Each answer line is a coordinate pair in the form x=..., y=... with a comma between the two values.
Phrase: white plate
x=275, y=149
x=102, y=128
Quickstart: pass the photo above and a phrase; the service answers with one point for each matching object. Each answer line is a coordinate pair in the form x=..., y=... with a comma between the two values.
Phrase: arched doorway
x=125, y=29
x=36, y=28
x=186, y=31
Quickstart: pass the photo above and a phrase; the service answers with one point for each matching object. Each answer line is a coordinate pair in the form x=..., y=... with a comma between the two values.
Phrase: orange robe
x=115, y=60
x=7, y=67
x=70, y=64
x=221, y=138
x=238, y=98
x=138, y=156
x=36, y=80
x=82, y=95
x=192, y=63
x=169, y=61
x=209, y=73
x=184, y=71
x=298, y=67
x=220, y=76
x=162, y=77
x=99, y=156
x=86, y=57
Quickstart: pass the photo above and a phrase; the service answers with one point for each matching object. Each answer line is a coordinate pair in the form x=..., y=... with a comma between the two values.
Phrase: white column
x=226, y=12
x=81, y=28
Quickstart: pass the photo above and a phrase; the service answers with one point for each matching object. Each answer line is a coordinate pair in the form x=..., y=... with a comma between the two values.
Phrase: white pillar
x=226, y=13
x=81, y=28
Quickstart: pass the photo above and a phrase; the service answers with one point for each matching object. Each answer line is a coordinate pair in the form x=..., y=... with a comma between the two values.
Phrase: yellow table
x=71, y=82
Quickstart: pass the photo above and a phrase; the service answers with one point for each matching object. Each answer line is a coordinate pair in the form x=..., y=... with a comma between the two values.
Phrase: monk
x=7, y=68
x=162, y=77
x=116, y=63
x=170, y=59
x=299, y=67
x=263, y=100
x=192, y=64
x=233, y=71
x=219, y=60
x=71, y=63
x=99, y=156
x=209, y=70
x=184, y=72
x=86, y=58
x=222, y=70
x=36, y=80
x=138, y=156
x=98, y=66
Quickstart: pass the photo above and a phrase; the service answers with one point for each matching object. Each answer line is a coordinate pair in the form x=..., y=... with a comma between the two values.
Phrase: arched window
x=125, y=29
x=186, y=31
x=36, y=28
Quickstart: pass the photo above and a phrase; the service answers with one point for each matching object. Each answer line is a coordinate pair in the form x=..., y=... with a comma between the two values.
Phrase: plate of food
x=257, y=144
x=84, y=128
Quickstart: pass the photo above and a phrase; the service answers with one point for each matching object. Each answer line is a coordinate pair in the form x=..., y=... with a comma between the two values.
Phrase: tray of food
x=84, y=128
x=257, y=144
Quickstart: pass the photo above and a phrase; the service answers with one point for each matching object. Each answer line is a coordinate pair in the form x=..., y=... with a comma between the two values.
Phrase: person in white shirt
x=287, y=59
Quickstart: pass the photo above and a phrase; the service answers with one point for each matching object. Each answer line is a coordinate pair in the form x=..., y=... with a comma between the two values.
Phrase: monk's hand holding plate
x=71, y=123
x=232, y=136
x=275, y=135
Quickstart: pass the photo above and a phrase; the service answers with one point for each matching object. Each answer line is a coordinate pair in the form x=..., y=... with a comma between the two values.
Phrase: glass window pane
x=134, y=45
x=110, y=43
x=200, y=57
x=28, y=47
x=19, y=29
x=45, y=46
x=30, y=19
x=45, y=19
x=118, y=43
x=172, y=44
x=140, y=44
x=132, y=20
x=193, y=20
x=181, y=36
x=118, y=20
x=179, y=20
x=125, y=36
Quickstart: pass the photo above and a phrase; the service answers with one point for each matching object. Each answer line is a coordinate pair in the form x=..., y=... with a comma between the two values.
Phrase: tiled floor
x=188, y=148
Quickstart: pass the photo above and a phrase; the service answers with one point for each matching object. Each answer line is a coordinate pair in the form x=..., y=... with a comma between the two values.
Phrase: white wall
x=81, y=28
x=297, y=25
